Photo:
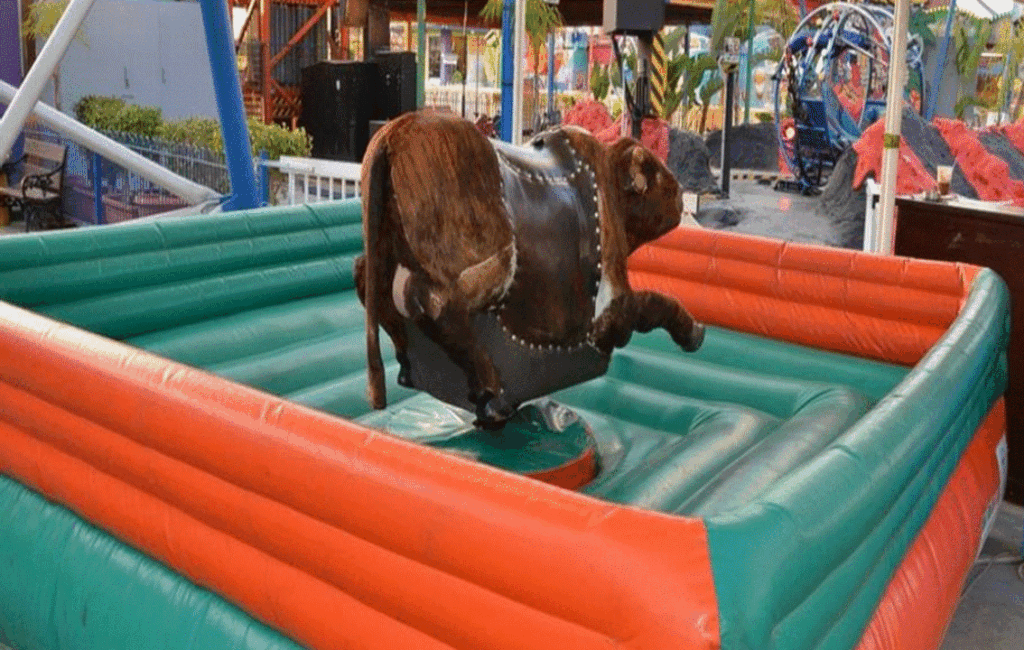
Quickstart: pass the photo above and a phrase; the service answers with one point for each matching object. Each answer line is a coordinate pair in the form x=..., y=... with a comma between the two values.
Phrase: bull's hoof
x=377, y=401
x=404, y=374
x=492, y=411
x=405, y=377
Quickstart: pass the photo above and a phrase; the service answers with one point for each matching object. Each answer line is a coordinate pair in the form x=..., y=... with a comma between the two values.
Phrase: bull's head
x=650, y=200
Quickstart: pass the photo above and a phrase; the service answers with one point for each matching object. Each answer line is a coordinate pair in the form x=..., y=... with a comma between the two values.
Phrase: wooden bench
x=39, y=194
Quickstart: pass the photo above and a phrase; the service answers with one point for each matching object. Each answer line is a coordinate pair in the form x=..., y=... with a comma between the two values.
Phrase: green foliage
x=781, y=15
x=696, y=68
x=920, y=24
x=599, y=82
x=971, y=35
x=727, y=19
x=98, y=112
x=42, y=16
x=112, y=114
x=675, y=71
x=615, y=72
x=196, y=131
x=764, y=116
x=541, y=18
x=278, y=141
x=674, y=68
x=1010, y=44
x=144, y=120
x=711, y=86
x=964, y=102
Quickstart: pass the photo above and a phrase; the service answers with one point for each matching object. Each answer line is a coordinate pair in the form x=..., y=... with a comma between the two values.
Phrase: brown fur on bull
x=441, y=247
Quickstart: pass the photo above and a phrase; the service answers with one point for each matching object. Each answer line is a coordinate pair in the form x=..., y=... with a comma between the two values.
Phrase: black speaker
x=397, y=83
x=633, y=16
x=338, y=101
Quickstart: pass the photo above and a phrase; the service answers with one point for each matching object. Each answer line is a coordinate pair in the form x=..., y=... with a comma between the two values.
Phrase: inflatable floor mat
x=188, y=460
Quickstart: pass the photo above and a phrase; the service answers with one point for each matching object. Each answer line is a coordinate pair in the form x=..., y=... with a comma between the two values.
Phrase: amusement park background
x=141, y=76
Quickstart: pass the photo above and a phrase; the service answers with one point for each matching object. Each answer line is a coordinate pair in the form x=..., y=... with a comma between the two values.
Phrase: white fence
x=874, y=195
x=313, y=180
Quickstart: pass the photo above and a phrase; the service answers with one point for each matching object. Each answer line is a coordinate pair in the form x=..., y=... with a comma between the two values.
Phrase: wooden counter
x=986, y=234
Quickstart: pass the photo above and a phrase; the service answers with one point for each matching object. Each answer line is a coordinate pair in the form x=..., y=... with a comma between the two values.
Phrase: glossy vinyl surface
x=760, y=493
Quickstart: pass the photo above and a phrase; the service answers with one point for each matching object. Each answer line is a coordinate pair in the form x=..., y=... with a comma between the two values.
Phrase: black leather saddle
x=537, y=336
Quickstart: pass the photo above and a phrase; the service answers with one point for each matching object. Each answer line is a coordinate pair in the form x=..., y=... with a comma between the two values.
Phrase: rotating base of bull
x=543, y=439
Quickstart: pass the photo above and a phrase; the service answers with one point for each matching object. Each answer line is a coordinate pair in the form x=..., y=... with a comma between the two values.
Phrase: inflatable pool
x=188, y=459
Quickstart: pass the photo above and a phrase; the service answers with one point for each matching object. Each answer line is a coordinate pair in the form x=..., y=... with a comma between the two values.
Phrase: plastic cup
x=943, y=178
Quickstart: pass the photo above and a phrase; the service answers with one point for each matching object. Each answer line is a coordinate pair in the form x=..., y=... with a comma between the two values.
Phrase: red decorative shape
x=653, y=135
x=1015, y=133
x=987, y=173
x=591, y=115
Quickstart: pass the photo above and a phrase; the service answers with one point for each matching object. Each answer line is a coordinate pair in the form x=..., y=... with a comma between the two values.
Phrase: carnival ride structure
x=831, y=83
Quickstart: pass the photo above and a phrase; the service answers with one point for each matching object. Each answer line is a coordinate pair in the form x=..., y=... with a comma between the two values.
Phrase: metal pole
x=507, y=68
x=97, y=188
x=114, y=151
x=32, y=86
x=726, y=166
x=750, y=58
x=421, y=53
x=893, y=123
x=477, y=46
x=551, y=75
x=940, y=63
x=465, y=49
x=644, y=46
x=220, y=48
x=517, y=83
x=266, y=73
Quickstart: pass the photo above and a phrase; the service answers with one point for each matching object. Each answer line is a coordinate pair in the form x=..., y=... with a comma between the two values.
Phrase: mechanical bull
x=499, y=272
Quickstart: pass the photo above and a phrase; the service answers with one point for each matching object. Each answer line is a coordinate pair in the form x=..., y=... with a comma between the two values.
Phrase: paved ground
x=991, y=613
x=757, y=209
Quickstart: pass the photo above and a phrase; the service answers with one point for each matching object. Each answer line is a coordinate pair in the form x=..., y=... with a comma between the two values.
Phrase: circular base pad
x=543, y=440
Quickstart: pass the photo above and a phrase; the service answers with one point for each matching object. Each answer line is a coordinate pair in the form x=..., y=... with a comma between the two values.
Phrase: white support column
x=114, y=151
x=893, y=123
x=47, y=61
x=517, y=83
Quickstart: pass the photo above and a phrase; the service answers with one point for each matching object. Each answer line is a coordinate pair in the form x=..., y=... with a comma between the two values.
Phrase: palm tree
x=42, y=18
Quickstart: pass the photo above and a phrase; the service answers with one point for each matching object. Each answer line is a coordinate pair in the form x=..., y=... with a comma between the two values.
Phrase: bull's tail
x=376, y=170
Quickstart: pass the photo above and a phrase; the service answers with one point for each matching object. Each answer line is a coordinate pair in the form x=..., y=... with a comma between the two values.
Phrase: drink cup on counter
x=943, y=178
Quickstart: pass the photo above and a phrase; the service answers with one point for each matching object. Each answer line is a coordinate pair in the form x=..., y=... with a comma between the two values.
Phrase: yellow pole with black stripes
x=659, y=75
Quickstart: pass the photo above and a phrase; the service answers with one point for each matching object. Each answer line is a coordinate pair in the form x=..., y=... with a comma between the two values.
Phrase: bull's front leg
x=643, y=311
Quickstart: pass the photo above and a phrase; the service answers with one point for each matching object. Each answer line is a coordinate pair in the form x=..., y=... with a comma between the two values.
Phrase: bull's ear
x=637, y=178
